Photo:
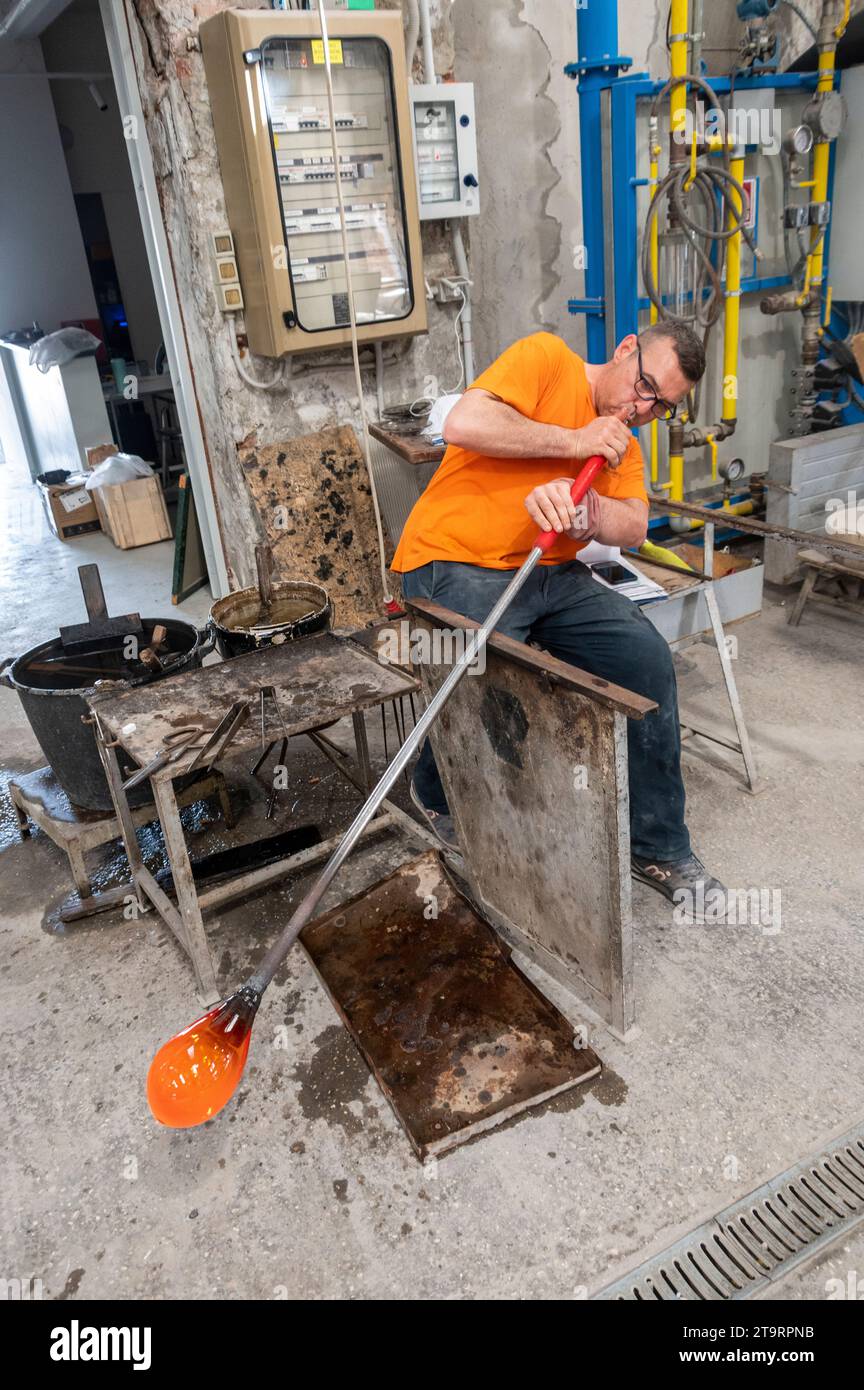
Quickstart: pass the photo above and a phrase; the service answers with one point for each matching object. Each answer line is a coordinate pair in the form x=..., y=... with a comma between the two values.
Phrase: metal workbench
x=318, y=680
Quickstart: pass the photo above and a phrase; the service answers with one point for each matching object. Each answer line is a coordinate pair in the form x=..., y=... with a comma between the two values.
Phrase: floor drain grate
x=755, y=1242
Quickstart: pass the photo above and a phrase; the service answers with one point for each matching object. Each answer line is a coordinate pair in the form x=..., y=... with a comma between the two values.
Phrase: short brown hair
x=688, y=348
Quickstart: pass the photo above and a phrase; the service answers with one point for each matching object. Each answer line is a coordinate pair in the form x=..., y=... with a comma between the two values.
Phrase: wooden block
x=133, y=513
x=98, y=453
x=858, y=349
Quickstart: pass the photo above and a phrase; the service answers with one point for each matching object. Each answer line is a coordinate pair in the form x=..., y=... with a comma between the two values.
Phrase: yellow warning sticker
x=335, y=51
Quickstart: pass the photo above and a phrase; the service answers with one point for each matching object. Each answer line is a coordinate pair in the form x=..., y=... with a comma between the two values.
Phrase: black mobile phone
x=613, y=573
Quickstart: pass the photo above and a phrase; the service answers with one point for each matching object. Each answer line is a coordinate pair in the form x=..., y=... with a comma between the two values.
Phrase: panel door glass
x=437, y=163
x=296, y=94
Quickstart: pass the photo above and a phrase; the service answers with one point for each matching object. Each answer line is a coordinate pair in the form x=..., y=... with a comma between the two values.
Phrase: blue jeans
x=565, y=611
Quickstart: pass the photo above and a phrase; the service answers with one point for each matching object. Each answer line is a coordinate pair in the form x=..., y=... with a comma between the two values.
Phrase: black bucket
x=297, y=609
x=55, y=704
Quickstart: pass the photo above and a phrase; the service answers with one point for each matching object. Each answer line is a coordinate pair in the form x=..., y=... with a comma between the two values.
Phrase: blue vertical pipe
x=597, y=35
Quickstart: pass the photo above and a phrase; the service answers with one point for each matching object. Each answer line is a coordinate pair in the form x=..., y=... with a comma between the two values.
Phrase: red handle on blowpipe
x=595, y=465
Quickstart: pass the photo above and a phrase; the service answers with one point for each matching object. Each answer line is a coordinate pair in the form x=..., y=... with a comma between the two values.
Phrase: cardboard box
x=70, y=510
x=133, y=513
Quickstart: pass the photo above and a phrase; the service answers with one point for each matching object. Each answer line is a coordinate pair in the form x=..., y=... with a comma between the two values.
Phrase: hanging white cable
x=238, y=361
x=355, y=349
x=463, y=380
x=461, y=259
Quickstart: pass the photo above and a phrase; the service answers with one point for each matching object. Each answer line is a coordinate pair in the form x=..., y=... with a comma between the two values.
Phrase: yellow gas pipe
x=655, y=271
x=733, y=509
x=679, y=21
x=732, y=305
x=679, y=29
x=821, y=149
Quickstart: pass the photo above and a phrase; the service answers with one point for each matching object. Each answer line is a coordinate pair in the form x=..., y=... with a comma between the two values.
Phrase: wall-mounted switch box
x=445, y=149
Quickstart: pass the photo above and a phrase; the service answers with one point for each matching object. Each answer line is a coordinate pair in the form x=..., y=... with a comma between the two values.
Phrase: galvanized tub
x=298, y=609
x=56, y=705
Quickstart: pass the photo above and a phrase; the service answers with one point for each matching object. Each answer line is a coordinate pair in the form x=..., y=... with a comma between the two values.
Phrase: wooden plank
x=186, y=893
x=40, y=797
x=190, y=564
x=408, y=445
x=553, y=671
x=753, y=525
x=263, y=568
x=106, y=635
x=458, y=1039
x=812, y=557
x=535, y=774
x=94, y=595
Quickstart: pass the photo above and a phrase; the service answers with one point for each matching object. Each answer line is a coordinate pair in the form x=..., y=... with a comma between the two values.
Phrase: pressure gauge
x=732, y=470
x=798, y=140
x=826, y=113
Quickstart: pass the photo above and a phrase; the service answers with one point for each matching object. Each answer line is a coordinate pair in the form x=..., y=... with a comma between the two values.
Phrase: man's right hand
x=607, y=436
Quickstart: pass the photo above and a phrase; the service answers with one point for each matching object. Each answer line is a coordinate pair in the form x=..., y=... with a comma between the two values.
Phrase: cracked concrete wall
x=796, y=36
x=180, y=132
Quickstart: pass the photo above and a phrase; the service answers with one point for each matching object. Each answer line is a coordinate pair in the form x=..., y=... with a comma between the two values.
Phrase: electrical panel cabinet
x=266, y=78
x=445, y=149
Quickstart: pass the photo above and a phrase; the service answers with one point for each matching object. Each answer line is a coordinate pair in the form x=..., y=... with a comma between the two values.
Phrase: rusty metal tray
x=458, y=1039
x=317, y=680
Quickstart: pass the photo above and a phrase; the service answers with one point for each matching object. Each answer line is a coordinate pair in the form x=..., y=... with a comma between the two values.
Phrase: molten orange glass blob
x=197, y=1072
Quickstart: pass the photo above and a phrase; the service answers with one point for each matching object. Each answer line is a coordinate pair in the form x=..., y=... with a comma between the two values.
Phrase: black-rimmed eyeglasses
x=646, y=392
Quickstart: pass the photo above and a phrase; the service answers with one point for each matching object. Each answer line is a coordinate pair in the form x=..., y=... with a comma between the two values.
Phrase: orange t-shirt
x=473, y=509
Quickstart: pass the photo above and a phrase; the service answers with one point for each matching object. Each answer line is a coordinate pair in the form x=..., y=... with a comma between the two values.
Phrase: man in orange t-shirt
x=537, y=413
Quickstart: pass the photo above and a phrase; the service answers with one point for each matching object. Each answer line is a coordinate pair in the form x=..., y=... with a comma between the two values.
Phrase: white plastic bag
x=55, y=349
x=118, y=468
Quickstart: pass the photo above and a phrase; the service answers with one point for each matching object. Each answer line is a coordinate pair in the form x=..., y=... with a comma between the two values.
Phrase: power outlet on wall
x=448, y=290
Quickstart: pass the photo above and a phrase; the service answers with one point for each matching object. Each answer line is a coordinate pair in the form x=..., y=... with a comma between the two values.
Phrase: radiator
x=398, y=484
x=819, y=469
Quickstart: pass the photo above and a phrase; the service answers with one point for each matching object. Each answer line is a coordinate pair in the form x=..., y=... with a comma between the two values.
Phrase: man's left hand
x=552, y=508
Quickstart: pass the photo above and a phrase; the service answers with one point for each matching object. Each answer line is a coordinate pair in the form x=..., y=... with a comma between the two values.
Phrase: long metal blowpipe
x=194, y=1074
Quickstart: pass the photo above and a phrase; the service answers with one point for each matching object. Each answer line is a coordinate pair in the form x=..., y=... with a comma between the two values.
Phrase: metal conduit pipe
x=412, y=33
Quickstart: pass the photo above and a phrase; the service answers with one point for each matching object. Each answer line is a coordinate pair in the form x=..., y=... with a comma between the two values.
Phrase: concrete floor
x=749, y=1055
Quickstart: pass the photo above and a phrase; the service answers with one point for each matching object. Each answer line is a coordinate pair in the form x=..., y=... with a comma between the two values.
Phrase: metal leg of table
x=731, y=687
x=225, y=802
x=122, y=809
x=185, y=890
x=361, y=743
x=264, y=756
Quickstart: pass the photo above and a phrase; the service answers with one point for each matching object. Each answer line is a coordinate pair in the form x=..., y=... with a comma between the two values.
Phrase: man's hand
x=607, y=435
x=552, y=508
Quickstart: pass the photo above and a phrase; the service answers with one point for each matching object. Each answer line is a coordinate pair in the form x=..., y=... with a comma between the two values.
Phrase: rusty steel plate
x=458, y=1039
x=317, y=680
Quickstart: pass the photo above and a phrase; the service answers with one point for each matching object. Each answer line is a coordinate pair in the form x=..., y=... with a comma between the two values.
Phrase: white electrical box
x=445, y=149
